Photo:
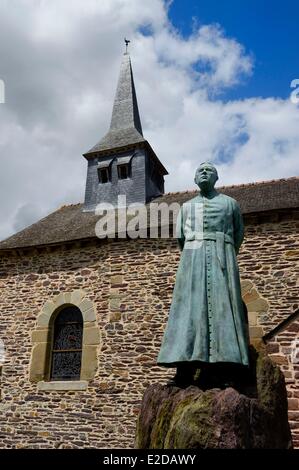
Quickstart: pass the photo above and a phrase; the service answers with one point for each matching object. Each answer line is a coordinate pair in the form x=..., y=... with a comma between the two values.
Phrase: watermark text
x=294, y=97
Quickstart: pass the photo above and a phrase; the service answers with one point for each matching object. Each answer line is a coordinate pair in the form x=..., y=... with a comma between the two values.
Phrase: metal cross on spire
x=127, y=42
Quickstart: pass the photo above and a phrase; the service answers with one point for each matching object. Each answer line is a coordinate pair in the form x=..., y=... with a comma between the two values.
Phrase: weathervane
x=127, y=41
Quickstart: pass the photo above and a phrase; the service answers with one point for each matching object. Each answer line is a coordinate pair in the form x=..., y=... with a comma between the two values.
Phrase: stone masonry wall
x=130, y=283
x=284, y=350
x=270, y=259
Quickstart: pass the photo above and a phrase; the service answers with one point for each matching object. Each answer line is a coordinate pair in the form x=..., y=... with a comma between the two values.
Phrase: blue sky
x=268, y=29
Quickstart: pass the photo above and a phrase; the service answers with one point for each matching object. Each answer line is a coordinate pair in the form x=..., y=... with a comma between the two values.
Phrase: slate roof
x=255, y=197
x=125, y=128
x=70, y=223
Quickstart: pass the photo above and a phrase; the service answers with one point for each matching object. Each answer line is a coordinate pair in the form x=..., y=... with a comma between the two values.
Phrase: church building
x=82, y=318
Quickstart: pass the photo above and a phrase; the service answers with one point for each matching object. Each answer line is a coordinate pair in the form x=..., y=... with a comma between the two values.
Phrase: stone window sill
x=67, y=385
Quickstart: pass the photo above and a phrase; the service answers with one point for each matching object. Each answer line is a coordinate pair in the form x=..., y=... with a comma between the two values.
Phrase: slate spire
x=125, y=127
x=125, y=112
x=123, y=162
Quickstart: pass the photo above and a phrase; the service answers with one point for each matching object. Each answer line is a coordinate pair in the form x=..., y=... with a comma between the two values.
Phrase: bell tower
x=123, y=162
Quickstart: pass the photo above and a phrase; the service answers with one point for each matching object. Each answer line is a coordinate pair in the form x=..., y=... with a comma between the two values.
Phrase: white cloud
x=60, y=64
x=225, y=58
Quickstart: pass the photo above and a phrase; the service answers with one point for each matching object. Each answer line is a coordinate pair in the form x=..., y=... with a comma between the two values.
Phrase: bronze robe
x=207, y=322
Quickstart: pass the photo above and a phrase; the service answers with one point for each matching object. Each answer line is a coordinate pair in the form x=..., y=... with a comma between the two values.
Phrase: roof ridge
x=241, y=185
x=179, y=192
x=257, y=183
x=68, y=205
x=191, y=191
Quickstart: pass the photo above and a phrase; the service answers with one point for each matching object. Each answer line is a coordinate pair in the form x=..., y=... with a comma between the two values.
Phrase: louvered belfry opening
x=66, y=351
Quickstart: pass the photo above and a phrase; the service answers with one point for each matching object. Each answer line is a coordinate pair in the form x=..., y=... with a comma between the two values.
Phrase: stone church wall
x=284, y=350
x=130, y=285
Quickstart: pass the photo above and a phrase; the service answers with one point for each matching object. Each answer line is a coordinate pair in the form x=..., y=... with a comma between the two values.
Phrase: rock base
x=191, y=418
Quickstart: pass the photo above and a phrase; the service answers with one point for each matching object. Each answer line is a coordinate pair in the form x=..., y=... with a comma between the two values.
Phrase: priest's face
x=206, y=176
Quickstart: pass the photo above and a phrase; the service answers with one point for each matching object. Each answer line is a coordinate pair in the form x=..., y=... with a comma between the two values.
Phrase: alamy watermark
x=2, y=91
x=294, y=97
x=153, y=220
x=135, y=220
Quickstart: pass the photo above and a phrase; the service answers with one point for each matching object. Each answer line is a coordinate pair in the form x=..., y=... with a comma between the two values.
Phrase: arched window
x=67, y=345
x=57, y=362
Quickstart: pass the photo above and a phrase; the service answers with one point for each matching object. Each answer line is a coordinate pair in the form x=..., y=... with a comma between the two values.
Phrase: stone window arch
x=42, y=340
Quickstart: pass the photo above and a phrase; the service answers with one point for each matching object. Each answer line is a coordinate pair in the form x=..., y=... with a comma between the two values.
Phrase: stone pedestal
x=254, y=416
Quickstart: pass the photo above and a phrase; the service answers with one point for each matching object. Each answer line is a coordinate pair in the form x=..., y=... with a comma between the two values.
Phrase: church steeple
x=125, y=112
x=125, y=127
x=123, y=162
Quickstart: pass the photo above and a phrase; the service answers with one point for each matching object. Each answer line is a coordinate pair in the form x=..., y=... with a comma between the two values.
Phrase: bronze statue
x=207, y=327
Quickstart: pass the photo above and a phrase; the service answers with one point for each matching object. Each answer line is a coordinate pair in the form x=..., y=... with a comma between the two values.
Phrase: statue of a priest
x=207, y=325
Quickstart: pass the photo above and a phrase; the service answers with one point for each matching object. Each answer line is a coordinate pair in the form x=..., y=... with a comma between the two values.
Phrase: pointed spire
x=125, y=128
x=125, y=109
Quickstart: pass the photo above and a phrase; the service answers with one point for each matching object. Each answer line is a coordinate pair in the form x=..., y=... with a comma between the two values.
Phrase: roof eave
x=156, y=159
x=144, y=143
x=9, y=249
x=102, y=153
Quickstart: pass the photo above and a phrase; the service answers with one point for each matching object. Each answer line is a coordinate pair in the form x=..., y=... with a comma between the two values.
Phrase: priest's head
x=206, y=176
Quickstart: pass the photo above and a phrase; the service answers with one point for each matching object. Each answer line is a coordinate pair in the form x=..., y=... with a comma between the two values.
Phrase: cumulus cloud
x=60, y=63
x=212, y=59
